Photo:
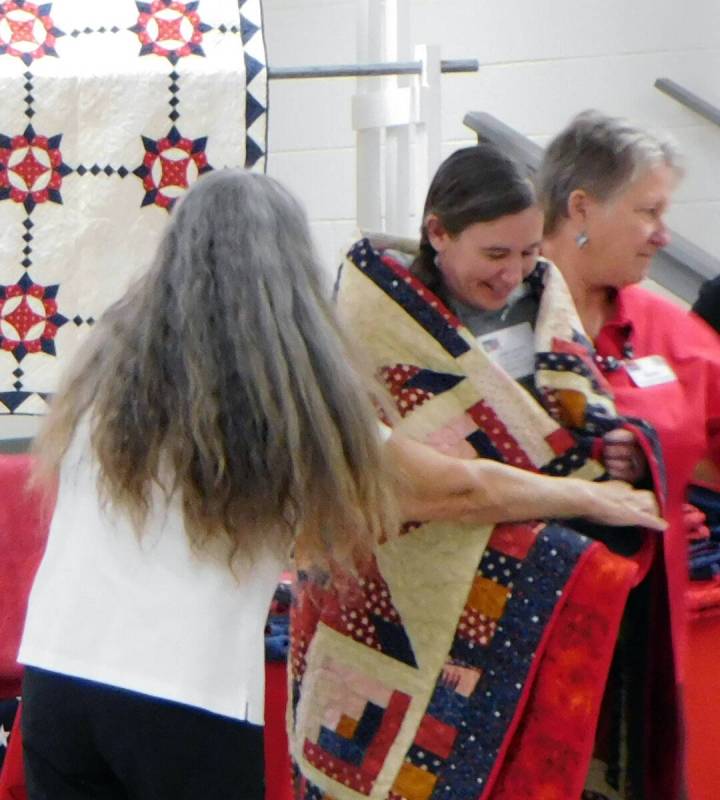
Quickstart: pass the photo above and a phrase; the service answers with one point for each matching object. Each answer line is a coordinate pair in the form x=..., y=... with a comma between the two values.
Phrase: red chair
x=24, y=519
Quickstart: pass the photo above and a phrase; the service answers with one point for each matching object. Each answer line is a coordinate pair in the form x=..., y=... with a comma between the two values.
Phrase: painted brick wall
x=541, y=61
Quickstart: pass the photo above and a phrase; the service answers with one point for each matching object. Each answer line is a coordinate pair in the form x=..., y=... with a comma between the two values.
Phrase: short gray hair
x=599, y=154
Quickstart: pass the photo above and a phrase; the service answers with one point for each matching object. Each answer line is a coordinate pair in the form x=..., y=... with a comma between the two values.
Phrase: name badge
x=511, y=348
x=650, y=371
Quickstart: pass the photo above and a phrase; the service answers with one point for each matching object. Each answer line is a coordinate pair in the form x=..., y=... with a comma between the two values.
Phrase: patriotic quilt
x=110, y=110
x=469, y=661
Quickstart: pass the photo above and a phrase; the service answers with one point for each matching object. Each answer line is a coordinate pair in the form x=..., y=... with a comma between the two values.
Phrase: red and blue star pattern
x=27, y=31
x=31, y=168
x=29, y=318
x=91, y=165
x=170, y=29
x=170, y=165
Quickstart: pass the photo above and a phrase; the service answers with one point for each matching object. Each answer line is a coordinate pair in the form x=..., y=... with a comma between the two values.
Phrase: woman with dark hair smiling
x=469, y=660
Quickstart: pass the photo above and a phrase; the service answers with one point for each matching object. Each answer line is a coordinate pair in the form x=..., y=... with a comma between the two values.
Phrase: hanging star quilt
x=109, y=111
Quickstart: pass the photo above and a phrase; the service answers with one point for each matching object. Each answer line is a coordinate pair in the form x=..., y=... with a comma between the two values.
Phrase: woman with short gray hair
x=601, y=154
x=606, y=186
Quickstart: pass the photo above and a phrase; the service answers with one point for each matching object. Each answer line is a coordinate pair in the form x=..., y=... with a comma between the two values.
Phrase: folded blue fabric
x=704, y=556
x=705, y=559
x=277, y=637
x=705, y=573
x=708, y=501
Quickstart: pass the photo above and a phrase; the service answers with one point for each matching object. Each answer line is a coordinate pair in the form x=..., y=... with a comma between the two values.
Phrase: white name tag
x=511, y=348
x=650, y=371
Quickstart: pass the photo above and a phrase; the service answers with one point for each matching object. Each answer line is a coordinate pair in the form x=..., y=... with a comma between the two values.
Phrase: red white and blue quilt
x=468, y=663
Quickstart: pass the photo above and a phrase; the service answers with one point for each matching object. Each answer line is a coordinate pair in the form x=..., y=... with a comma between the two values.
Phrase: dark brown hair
x=474, y=184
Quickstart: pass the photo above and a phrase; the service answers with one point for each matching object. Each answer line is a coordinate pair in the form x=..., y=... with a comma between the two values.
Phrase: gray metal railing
x=681, y=267
x=689, y=99
x=369, y=70
x=489, y=129
x=16, y=445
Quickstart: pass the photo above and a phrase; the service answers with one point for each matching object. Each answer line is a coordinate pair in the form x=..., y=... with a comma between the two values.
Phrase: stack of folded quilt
x=702, y=518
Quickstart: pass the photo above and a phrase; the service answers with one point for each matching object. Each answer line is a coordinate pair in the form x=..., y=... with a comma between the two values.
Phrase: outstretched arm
x=432, y=485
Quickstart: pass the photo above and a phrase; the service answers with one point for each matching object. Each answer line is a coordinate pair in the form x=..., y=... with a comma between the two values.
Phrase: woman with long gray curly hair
x=213, y=420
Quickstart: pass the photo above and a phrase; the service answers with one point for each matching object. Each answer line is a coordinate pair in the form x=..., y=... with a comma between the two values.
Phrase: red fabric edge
x=580, y=583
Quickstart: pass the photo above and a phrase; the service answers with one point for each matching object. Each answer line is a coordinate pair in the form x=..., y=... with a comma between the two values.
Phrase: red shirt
x=684, y=412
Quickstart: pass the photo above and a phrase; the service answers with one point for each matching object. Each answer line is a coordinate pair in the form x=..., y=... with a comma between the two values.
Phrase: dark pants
x=88, y=740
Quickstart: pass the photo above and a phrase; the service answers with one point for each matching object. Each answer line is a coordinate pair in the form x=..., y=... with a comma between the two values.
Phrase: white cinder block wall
x=540, y=62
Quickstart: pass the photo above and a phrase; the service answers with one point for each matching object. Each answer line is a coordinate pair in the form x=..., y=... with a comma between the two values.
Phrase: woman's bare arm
x=432, y=485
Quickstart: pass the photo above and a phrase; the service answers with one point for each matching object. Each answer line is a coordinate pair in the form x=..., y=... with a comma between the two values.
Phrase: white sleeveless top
x=148, y=614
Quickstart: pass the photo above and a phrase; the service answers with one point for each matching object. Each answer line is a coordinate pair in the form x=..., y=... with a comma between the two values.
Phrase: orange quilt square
x=488, y=597
x=414, y=783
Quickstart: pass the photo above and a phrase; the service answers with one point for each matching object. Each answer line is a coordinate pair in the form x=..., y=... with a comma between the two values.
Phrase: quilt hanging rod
x=369, y=70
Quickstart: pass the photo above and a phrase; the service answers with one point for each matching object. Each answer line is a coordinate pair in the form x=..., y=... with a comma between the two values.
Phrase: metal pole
x=368, y=70
x=460, y=65
x=370, y=143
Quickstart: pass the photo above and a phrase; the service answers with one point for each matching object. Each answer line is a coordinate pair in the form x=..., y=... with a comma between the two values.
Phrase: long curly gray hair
x=223, y=377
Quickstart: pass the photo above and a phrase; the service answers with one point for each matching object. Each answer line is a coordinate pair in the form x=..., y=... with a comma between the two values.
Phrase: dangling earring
x=436, y=260
x=581, y=240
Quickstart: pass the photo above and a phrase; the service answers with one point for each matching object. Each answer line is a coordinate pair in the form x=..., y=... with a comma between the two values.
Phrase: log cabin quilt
x=468, y=662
